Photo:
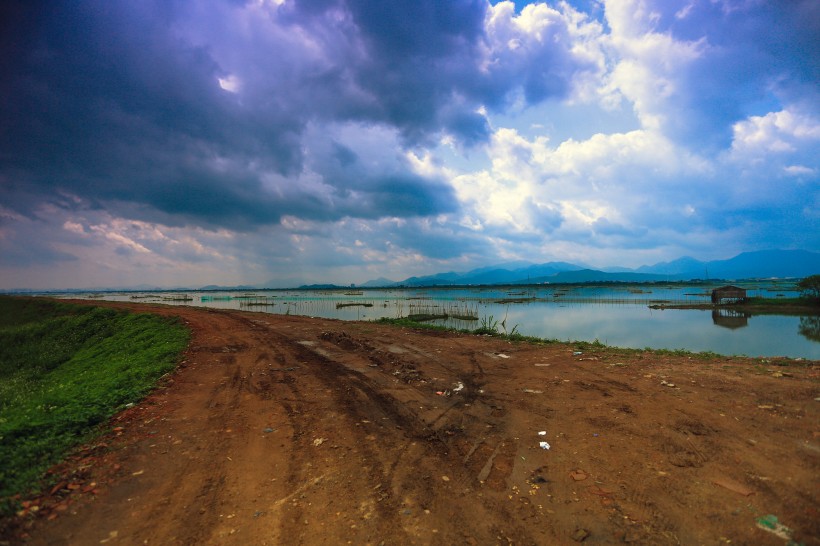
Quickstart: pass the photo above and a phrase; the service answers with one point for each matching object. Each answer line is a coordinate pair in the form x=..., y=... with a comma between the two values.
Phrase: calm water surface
x=618, y=316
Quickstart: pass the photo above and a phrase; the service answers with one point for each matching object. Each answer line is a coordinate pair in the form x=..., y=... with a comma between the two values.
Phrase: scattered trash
x=502, y=355
x=595, y=434
x=268, y=430
x=544, y=445
x=732, y=485
x=445, y=478
x=576, y=353
x=533, y=391
x=319, y=441
x=770, y=523
x=138, y=473
x=459, y=387
x=542, y=432
x=440, y=393
x=111, y=536
x=665, y=383
x=579, y=535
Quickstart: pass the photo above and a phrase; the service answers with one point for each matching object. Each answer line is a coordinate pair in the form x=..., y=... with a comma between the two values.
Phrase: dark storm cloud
x=103, y=102
x=121, y=104
x=422, y=55
x=433, y=241
x=400, y=196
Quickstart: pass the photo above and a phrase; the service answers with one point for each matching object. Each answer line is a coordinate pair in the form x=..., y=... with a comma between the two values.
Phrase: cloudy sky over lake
x=193, y=142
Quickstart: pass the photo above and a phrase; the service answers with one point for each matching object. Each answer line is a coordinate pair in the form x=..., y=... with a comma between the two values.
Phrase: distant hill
x=378, y=283
x=219, y=287
x=767, y=263
x=682, y=266
x=592, y=275
x=748, y=265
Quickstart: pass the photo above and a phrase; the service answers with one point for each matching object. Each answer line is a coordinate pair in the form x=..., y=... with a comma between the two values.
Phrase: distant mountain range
x=763, y=264
x=748, y=265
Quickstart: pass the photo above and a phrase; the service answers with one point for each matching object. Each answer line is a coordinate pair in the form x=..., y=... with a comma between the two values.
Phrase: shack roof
x=729, y=288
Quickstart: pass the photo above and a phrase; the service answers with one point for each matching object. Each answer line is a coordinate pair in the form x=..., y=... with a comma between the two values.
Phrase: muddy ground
x=291, y=430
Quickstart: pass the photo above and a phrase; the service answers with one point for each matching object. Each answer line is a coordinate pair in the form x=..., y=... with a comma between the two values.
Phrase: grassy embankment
x=64, y=370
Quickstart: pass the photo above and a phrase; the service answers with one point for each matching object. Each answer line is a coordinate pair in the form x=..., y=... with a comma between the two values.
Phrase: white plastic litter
x=542, y=433
x=459, y=387
x=544, y=445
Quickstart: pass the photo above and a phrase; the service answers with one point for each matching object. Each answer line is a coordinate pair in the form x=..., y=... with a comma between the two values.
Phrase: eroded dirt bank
x=290, y=430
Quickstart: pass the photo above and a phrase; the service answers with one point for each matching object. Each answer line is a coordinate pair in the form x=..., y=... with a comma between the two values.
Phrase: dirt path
x=291, y=430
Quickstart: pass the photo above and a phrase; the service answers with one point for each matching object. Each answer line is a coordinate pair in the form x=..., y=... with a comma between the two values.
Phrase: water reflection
x=730, y=318
x=810, y=328
x=619, y=316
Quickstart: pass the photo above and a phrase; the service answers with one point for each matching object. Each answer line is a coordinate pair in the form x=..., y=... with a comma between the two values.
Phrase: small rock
x=579, y=535
x=318, y=441
x=578, y=475
x=445, y=478
x=111, y=536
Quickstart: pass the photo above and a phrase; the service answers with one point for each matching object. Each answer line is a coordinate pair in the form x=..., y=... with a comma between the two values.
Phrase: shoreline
x=786, y=309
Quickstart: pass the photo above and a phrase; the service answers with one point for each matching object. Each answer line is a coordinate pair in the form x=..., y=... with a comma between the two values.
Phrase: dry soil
x=292, y=430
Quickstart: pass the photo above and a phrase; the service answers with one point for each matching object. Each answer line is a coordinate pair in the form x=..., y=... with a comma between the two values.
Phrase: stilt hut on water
x=728, y=294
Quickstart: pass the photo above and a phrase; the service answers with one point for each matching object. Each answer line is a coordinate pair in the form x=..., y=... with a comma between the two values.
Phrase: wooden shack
x=728, y=294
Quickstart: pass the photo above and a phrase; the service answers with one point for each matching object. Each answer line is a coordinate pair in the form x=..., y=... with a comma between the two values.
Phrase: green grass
x=487, y=327
x=66, y=369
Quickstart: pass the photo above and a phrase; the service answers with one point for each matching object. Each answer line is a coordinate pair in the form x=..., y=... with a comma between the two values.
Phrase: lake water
x=619, y=316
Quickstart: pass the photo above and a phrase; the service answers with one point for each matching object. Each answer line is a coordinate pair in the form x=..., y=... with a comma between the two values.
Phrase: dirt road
x=291, y=430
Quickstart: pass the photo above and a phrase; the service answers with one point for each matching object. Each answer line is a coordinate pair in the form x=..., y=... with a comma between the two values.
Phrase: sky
x=194, y=142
